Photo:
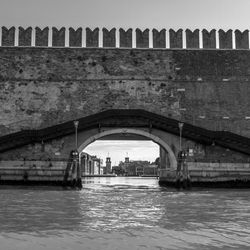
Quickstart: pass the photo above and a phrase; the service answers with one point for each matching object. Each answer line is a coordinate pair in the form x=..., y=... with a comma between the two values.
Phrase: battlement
x=120, y=38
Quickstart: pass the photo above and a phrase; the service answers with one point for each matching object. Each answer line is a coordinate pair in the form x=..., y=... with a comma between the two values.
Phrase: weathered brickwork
x=45, y=86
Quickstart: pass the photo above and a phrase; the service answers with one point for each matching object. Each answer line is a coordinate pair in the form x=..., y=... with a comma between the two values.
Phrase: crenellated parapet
x=242, y=39
x=192, y=39
x=225, y=39
x=92, y=37
x=142, y=38
x=8, y=36
x=176, y=38
x=209, y=39
x=24, y=36
x=58, y=37
x=121, y=38
x=75, y=37
x=109, y=39
x=159, y=38
x=42, y=37
x=125, y=38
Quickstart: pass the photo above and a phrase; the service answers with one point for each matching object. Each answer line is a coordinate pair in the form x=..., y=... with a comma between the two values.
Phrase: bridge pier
x=163, y=158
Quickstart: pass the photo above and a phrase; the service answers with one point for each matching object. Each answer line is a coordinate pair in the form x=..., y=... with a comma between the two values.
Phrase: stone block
x=75, y=37
x=92, y=37
x=42, y=37
x=142, y=38
x=125, y=38
x=109, y=38
x=8, y=36
x=159, y=38
x=24, y=37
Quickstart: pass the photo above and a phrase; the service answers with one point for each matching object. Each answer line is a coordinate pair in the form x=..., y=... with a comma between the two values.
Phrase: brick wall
x=45, y=86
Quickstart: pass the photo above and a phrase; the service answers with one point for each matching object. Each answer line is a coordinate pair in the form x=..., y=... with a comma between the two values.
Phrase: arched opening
x=163, y=145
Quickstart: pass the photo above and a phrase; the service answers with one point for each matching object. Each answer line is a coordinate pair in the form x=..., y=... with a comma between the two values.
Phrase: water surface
x=123, y=213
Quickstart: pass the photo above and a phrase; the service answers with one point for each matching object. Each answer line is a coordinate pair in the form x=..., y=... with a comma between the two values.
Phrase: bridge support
x=163, y=158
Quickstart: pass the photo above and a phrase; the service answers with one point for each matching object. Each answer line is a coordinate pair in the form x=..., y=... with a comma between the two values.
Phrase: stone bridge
x=142, y=91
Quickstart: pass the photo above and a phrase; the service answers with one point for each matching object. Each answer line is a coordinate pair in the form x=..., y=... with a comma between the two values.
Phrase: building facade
x=136, y=168
x=91, y=165
x=107, y=169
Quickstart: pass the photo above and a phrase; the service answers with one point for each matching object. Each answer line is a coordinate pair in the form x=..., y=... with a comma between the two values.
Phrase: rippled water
x=123, y=213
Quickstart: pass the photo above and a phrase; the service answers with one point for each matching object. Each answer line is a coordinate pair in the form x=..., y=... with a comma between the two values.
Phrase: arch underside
x=139, y=132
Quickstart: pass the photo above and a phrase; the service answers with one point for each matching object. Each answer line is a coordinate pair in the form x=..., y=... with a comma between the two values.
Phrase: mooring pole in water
x=180, y=124
x=79, y=174
x=78, y=178
x=182, y=174
x=178, y=170
x=186, y=177
x=76, y=123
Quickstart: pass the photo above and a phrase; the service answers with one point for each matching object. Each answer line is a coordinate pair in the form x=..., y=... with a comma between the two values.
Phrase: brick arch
x=154, y=138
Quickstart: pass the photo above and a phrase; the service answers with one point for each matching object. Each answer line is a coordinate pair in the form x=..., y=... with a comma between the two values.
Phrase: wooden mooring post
x=183, y=179
x=76, y=171
x=73, y=167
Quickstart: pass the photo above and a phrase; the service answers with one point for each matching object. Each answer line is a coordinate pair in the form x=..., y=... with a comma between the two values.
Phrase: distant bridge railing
x=104, y=38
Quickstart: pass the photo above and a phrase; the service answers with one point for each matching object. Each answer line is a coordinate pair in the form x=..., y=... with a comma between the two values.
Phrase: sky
x=192, y=14
x=127, y=13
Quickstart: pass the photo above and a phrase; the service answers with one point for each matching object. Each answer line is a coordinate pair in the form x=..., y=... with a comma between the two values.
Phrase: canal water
x=123, y=213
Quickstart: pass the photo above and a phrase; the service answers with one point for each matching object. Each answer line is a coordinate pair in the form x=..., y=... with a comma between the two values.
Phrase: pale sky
x=127, y=13
x=192, y=14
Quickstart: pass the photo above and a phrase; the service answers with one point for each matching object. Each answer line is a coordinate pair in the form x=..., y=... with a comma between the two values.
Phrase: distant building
x=151, y=170
x=118, y=170
x=108, y=166
x=91, y=165
x=137, y=168
x=126, y=165
x=139, y=171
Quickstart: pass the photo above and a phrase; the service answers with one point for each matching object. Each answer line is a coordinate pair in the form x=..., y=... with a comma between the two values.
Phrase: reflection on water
x=123, y=213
